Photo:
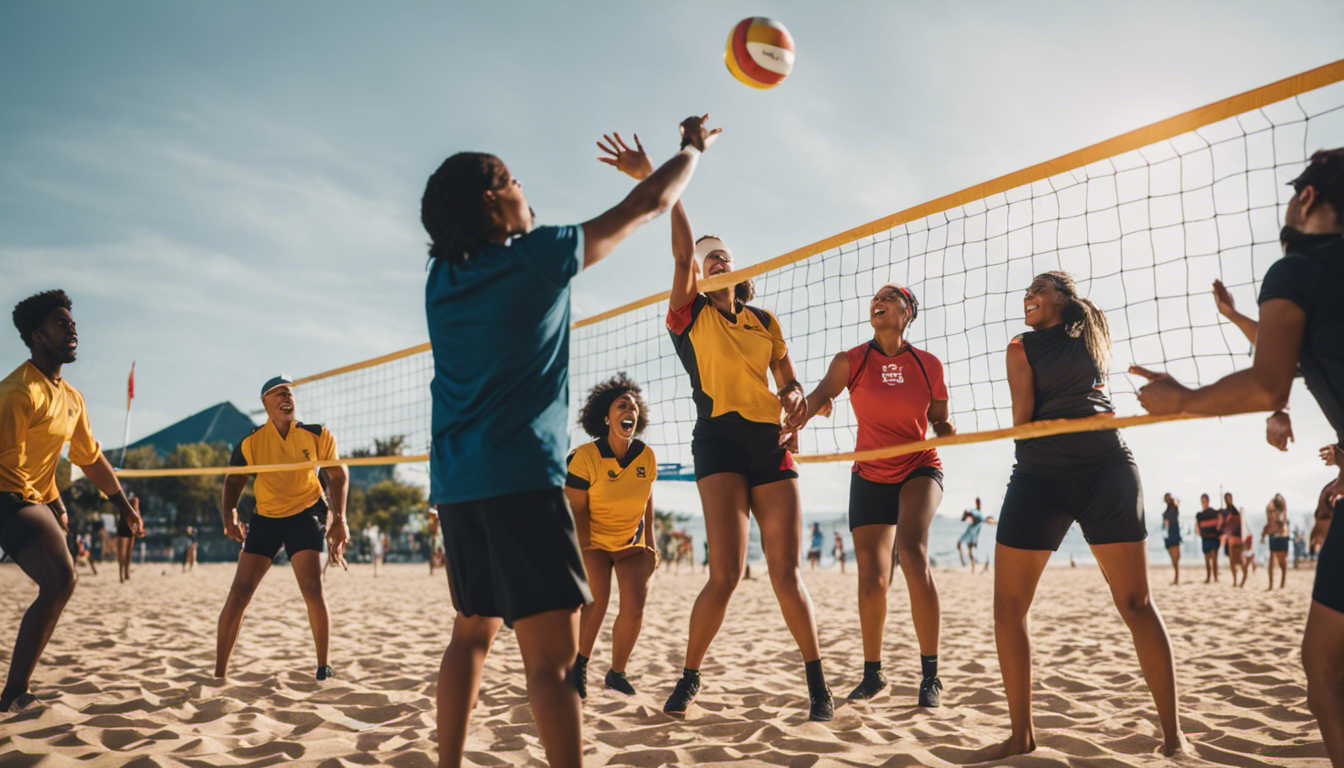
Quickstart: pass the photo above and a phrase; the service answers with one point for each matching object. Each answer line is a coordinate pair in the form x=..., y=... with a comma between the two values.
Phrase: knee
x=61, y=585
x=312, y=589
x=1133, y=605
x=873, y=584
x=723, y=581
x=1010, y=610
x=783, y=571
x=914, y=557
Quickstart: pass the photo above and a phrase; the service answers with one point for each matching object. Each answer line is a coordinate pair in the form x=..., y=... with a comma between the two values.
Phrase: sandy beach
x=127, y=678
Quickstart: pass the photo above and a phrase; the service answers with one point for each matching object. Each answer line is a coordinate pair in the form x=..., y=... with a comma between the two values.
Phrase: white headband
x=707, y=246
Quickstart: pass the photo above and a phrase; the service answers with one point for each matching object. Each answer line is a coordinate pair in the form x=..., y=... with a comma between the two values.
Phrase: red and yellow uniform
x=618, y=491
x=728, y=358
x=38, y=417
x=281, y=494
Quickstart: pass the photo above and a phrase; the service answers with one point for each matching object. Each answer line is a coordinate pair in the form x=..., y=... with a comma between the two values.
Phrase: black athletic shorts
x=1169, y=543
x=513, y=556
x=297, y=532
x=1278, y=544
x=873, y=503
x=1040, y=506
x=1209, y=544
x=747, y=448
x=13, y=536
x=1329, y=588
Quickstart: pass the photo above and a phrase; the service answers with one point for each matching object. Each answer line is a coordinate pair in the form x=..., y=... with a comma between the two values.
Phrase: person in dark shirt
x=1056, y=371
x=1171, y=523
x=1230, y=527
x=1208, y=522
x=1301, y=325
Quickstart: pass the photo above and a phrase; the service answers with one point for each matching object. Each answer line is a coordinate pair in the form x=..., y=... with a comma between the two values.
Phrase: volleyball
x=760, y=52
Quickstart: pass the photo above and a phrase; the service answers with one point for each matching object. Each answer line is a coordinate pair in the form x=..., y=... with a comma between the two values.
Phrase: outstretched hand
x=1227, y=306
x=1162, y=394
x=1279, y=430
x=694, y=133
x=632, y=162
x=1332, y=455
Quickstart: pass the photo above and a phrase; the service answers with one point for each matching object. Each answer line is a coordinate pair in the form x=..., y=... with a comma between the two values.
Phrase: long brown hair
x=1085, y=319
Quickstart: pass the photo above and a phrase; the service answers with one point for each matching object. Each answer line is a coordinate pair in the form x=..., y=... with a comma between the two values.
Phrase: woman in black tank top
x=1056, y=371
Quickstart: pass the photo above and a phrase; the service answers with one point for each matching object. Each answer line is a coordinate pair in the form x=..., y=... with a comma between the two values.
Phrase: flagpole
x=126, y=432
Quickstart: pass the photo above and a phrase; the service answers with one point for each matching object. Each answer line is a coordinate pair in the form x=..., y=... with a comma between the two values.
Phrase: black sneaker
x=930, y=689
x=617, y=682
x=21, y=702
x=823, y=706
x=580, y=678
x=871, y=686
x=325, y=671
x=681, y=698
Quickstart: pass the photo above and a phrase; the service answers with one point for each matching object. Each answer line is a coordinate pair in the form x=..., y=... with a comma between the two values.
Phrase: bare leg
x=779, y=513
x=970, y=551
x=1323, y=661
x=1126, y=569
x=1016, y=574
x=919, y=501
x=307, y=567
x=598, y=565
x=46, y=560
x=1283, y=567
x=549, y=643
x=1175, y=552
x=872, y=550
x=251, y=569
x=460, y=682
x=962, y=556
x=632, y=574
x=123, y=546
x=724, y=499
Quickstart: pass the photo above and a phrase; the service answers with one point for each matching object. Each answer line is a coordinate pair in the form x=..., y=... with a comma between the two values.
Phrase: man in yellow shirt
x=291, y=511
x=39, y=413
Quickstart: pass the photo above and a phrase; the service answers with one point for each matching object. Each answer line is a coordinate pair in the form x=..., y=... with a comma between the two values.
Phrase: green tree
x=193, y=499
x=389, y=504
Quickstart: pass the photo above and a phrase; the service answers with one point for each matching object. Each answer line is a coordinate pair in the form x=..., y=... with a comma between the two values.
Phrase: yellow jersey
x=728, y=358
x=38, y=417
x=618, y=491
x=281, y=494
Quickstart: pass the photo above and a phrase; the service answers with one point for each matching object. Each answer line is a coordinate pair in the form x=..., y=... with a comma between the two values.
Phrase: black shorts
x=513, y=556
x=873, y=503
x=747, y=448
x=299, y=531
x=1209, y=545
x=123, y=530
x=1278, y=544
x=1041, y=505
x=1329, y=588
x=1169, y=543
x=13, y=537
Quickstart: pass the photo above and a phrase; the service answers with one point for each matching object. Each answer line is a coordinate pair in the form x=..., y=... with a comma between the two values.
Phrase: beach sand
x=127, y=677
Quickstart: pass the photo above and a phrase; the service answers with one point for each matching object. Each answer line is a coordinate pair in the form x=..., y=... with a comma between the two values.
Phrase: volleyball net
x=1145, y=222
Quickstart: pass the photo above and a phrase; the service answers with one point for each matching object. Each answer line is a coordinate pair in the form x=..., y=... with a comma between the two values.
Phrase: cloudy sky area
x=232, y=190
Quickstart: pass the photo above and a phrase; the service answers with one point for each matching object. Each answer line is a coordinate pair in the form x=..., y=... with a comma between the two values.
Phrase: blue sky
x=232, y=190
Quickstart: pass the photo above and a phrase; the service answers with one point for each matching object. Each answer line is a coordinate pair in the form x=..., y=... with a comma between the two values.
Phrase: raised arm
x=1228, y=308
x=686, y=270
x=1021, y=384
x=654, y=194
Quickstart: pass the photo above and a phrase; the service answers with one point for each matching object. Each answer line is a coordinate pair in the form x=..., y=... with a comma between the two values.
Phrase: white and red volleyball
x=760, y=52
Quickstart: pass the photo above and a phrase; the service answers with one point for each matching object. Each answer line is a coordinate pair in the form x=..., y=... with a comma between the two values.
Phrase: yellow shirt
x=618, y=491
x=728, y=358
x=38, y=417
x=281, y=494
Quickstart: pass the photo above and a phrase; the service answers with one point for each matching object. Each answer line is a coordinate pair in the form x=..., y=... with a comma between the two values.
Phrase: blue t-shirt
x=499, y=325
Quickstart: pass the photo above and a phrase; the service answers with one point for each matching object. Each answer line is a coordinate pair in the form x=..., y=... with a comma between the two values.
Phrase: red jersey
x=890, y=397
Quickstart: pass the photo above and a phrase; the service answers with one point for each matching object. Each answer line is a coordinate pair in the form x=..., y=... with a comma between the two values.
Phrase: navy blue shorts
x=1209, y=545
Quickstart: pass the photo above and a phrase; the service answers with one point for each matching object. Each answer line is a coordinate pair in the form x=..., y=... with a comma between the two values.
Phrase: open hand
x=1227, y=306
x=632, y=162
x=1332, y=455
x=1162, y=394
x=1279, y=430
x=694, y=133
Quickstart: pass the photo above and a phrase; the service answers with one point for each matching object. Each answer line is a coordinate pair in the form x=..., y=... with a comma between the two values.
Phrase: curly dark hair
x=593, y=414
x=30, y=313
x=453, y=208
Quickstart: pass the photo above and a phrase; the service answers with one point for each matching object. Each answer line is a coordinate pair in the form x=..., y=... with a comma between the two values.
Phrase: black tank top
x=1067, y=385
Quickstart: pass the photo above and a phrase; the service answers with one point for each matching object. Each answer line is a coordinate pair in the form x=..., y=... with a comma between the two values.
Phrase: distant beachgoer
x=189, y=552
x=1233, y=542
x=814, y=549
x=1276, y=533
x=975, y=520
x=1208, y=524
x=1171, y=522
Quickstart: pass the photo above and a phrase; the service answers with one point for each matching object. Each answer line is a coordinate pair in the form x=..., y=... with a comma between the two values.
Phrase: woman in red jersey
x=896, y=391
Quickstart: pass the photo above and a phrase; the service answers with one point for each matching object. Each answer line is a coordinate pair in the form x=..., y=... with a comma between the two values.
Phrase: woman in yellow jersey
x=610, y=489
x=741, y=467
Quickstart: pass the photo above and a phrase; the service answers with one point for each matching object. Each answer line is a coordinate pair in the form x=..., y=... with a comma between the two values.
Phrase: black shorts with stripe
x=747, y=448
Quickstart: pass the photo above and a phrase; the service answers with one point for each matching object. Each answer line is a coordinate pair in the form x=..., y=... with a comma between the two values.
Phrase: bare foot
x=1006, y=748
x=1177, y=746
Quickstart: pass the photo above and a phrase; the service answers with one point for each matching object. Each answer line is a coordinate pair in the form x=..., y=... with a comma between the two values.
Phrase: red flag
x=130, y=387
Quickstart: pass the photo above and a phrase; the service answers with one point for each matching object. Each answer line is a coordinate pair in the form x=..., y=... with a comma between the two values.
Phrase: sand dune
x=127, y=678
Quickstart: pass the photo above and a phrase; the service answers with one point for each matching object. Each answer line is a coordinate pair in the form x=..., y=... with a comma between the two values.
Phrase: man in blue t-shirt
x=1301, y=324
x=497, y=304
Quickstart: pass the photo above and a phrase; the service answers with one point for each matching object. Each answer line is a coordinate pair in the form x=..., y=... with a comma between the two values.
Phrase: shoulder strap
x=854, y=375
x=915, y=354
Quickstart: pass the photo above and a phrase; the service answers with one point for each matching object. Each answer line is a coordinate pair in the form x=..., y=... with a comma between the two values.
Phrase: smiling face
x=57, y=335
x=717, y=262
x=623, y=417
x=279, y=404
x=1041, y=306
x=889, y=310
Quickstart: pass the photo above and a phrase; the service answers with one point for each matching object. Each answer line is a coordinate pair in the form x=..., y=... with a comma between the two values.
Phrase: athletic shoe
x=681, y=698
x=21, y=702
x=823, y=706
x=617, y=682
x=580, y=678
x=930, y=692
x=325, y=671
x=871, y=686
